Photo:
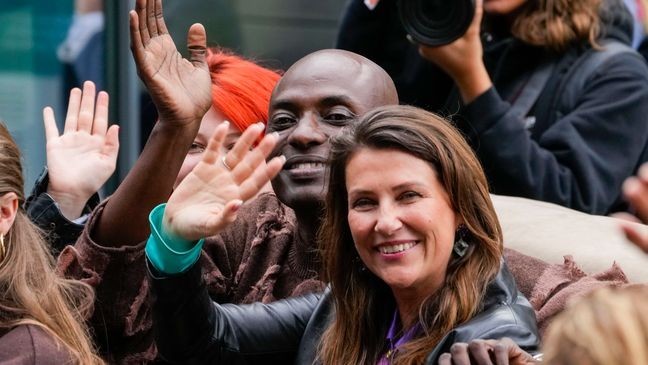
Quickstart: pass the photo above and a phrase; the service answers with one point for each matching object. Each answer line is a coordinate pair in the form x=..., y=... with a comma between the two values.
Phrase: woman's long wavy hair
x=364, y=303
x=557, y=24
x=32, y=293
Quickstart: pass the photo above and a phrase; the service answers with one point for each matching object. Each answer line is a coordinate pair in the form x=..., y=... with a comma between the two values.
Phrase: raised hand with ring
x=209, y=197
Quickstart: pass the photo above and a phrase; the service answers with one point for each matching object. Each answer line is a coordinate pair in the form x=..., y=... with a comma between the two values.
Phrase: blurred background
x=48, y=47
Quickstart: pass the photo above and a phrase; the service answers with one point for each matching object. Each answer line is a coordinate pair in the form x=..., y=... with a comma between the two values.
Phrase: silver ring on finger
x=225, y=164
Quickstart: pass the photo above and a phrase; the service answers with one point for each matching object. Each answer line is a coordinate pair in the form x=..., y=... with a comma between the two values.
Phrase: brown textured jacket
x=258, y=258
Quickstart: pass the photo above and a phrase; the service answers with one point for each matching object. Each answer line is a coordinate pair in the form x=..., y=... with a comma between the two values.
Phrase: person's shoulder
x=30, y=344
x=614, y=57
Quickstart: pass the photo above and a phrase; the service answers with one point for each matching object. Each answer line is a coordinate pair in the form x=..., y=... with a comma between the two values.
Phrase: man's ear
x=8, y=210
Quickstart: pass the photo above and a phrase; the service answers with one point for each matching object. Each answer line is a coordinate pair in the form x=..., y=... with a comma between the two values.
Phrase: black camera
x=436, y=22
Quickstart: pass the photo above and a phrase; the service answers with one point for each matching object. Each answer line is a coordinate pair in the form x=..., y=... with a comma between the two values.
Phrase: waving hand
x=180, y=88
x=82, y=158
x=208, y=199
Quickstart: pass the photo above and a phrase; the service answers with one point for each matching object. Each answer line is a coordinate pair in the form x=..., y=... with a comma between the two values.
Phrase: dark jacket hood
x=616, y=21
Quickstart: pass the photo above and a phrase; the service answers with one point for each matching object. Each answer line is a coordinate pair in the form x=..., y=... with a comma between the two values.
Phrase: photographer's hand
x=462, y=59
x=635, y=191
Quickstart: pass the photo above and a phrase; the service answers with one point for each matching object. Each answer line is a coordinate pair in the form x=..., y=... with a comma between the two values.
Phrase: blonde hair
x=607, y=327
x=32, y=293
x=556, y=24
x=363, y=302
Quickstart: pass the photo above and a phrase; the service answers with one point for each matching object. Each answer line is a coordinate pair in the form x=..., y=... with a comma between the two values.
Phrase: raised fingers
x=142, y=25
x=159, y=18
x=72, y=115
x=51, y=130
x=253, y=159
x=100, y=123
x=151, y=22
x=137, y=46
x=212, y=151
x=251, y=186
x=243, y=145
x=197, y=45
x=86, y=112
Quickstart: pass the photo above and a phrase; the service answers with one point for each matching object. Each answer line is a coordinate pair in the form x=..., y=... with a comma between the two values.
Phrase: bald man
x=268, y=252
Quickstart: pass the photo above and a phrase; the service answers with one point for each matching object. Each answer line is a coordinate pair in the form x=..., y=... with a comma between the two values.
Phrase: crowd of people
x=338, y=212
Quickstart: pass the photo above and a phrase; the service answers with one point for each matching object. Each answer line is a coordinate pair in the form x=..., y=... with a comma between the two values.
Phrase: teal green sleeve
x=168, y=253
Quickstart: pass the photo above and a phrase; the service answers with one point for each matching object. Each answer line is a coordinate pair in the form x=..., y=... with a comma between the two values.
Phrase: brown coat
x=31, y=345
x=259, y=258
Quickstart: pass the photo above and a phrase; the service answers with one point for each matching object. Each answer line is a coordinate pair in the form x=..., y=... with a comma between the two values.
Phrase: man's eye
x=338, y=118
x=281, y=122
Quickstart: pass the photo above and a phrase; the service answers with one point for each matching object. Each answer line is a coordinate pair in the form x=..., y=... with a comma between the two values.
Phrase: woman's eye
x=362, y=203
x=196, y=148
x=409, y=195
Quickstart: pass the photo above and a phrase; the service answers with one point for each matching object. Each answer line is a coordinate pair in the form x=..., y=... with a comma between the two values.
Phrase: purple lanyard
x=385, y=359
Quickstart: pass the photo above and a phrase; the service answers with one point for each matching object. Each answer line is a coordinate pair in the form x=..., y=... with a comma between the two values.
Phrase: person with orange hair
x=60, y=202
x=240, y=94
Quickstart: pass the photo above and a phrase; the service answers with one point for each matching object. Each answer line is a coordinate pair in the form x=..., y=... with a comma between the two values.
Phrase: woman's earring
x=460, y=245
x=2, y=247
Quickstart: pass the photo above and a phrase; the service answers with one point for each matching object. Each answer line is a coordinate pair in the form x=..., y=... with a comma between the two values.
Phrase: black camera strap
x=530, y=92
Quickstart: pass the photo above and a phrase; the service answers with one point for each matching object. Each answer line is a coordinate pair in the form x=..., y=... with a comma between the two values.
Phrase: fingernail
x=226, y=122
x=631, y=186
x=282, y=158
x=237, y=205
x=275, y=135
x=643, y=172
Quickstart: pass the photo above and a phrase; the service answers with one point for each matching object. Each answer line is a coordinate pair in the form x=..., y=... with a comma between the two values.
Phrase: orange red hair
x=241, y=89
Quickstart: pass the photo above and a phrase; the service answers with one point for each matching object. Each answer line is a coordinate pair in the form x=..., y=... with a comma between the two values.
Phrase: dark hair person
x=41, y=314
x=411, y=246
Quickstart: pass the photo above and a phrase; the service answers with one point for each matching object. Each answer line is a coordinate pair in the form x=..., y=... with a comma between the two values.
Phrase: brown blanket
x=549, y=287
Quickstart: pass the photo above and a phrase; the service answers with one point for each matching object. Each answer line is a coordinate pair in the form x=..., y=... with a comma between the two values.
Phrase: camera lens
x=436, y=22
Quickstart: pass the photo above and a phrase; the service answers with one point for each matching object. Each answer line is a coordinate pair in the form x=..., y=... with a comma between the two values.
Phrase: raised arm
x=181, y=91
x=80, y=160
x=188, y=328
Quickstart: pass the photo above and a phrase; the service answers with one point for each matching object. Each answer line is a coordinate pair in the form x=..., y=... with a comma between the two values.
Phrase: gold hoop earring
x=2, y=247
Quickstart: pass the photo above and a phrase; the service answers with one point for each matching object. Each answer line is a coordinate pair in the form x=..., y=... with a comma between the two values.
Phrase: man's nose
x=308, y=132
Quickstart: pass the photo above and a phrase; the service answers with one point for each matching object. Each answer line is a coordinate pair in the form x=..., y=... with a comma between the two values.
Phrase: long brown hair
x=608, y=326
x=32, y=293
x=556, y=24
x=364, y=303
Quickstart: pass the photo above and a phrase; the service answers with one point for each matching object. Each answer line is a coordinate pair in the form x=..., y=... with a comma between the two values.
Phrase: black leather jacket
x=46, y=214
x=191, y=329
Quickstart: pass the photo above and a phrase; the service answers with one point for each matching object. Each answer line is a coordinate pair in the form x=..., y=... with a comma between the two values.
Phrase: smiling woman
x=411, y=247
x=405, y=189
